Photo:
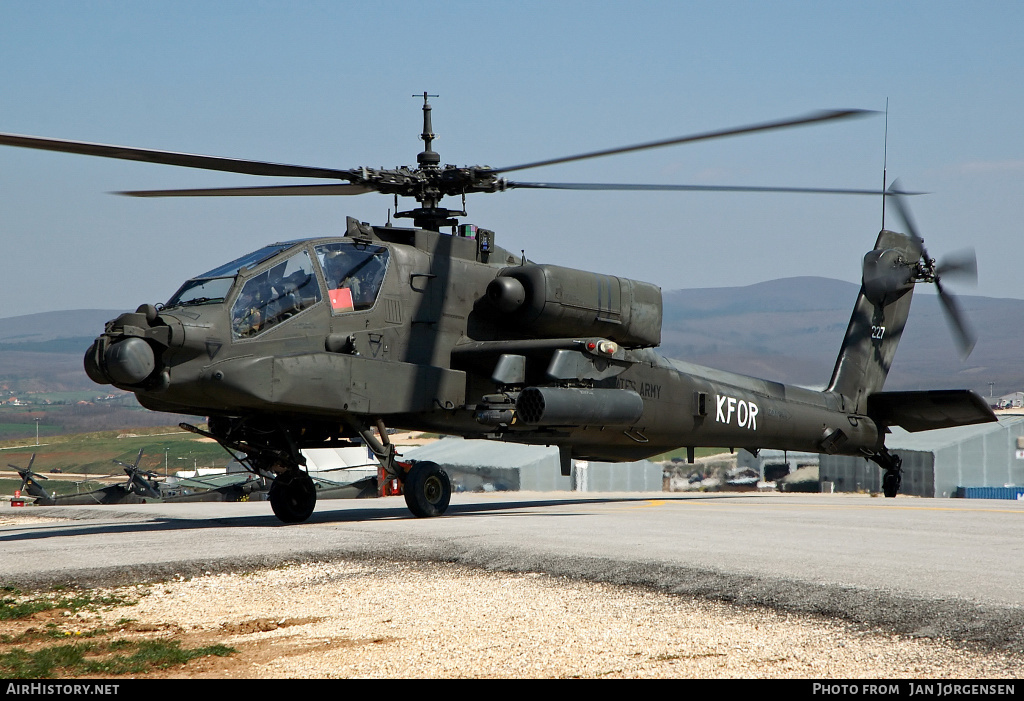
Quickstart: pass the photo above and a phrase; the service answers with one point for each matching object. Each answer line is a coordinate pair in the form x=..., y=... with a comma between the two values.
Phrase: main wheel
x=427, y=490
x=293, y=496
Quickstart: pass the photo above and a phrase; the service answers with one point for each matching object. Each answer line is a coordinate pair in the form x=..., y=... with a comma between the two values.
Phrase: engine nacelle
x=548, y=301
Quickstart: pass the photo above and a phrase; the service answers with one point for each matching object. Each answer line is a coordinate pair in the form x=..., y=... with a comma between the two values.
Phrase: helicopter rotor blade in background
x=186, y=160
x=265, y=191
x=23, y=471
x=824, y=116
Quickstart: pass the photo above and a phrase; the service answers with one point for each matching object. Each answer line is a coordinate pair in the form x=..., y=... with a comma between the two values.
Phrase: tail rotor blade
x=962, y=265
x=963, y=334
x=896, y=192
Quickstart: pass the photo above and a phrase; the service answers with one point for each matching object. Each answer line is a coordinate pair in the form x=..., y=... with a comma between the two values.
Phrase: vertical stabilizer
x=878, y=320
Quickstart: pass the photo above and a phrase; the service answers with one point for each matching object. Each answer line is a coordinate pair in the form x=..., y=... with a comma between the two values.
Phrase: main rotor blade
x=186, y=160
x=698, y=188
x=824, y=116
x=965, y=337
x=268, y=191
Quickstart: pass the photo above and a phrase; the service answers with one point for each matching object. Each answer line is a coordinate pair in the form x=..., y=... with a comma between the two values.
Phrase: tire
x=293, y=496
x=427, y=490
x=891, y=482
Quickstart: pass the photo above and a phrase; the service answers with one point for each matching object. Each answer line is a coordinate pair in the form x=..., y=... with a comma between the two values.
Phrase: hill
x=791, y=329
x=41, y=377
x=50, y=326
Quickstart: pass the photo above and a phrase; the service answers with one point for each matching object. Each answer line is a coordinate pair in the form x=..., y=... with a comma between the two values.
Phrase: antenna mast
x=885, y=158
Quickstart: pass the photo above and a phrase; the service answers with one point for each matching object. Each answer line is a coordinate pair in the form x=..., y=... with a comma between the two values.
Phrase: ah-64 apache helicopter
x=316, y=342
x=140, y=485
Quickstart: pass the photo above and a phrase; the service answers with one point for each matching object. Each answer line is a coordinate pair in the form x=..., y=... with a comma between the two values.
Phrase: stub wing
x=927, y=410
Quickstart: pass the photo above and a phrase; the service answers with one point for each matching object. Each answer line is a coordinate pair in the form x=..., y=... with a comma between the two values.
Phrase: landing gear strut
x=271, y=452
x=426, y=486
x=893, y=477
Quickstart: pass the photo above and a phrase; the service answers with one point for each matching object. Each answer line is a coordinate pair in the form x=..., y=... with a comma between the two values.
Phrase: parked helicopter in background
x=139, y=485
x=318, y=342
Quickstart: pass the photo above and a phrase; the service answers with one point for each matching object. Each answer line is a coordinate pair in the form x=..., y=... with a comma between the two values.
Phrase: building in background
x=938, y=463
x=480, y=466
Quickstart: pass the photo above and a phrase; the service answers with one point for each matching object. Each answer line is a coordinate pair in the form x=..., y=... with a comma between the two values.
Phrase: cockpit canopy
x=354, y=273
x=286, y=282
x=213, y=286
x=274, y=295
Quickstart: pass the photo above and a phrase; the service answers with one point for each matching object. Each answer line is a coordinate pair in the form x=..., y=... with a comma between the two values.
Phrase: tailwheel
x=891, y=481
x=427, y=489
x=893, y=466
x=293, y=496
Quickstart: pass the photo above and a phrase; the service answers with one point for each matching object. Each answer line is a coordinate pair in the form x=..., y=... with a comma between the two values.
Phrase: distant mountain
x=788, y=330
x=48, y=326
x=791, y=329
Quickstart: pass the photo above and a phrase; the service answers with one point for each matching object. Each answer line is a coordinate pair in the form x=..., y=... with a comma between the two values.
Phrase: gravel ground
x=385, y=619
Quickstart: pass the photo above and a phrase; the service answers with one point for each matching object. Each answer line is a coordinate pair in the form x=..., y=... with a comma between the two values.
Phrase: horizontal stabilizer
x=928, y=410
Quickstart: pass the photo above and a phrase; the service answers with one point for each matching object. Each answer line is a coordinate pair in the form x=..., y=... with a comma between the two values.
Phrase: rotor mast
x=428, y=158
x=429, y=215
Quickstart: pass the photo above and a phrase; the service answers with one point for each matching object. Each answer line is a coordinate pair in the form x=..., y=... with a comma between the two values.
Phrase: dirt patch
x=262, y=625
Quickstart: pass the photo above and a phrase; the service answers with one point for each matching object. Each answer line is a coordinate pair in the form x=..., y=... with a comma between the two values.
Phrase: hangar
x=937, y=463
x=479, y=465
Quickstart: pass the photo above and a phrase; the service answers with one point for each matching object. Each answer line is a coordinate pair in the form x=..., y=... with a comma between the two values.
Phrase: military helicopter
x=139, y=486
x=30, y=480
x=213, y=488
x=313, y=343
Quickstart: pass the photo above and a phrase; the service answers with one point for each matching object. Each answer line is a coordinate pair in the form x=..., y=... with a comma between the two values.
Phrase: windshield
x=213, y=286
x=201, y=292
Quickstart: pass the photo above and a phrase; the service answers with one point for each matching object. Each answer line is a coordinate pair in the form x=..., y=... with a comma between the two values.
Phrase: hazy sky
x=331, y=84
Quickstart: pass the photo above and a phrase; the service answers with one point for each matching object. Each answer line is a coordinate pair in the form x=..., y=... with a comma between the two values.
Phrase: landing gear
x=891, y=481
x=427, y=489
x=425, y=485
x=271, y=451
x=893, y=477
x=293, y=496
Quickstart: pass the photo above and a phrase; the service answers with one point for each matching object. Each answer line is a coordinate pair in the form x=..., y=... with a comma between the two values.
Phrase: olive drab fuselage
x=449, y=333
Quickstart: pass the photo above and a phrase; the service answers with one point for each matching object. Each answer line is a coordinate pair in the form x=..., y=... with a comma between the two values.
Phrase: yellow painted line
x=613, y=508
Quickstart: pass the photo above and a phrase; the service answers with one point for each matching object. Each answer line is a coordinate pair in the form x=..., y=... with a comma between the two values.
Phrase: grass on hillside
x=94, y=453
